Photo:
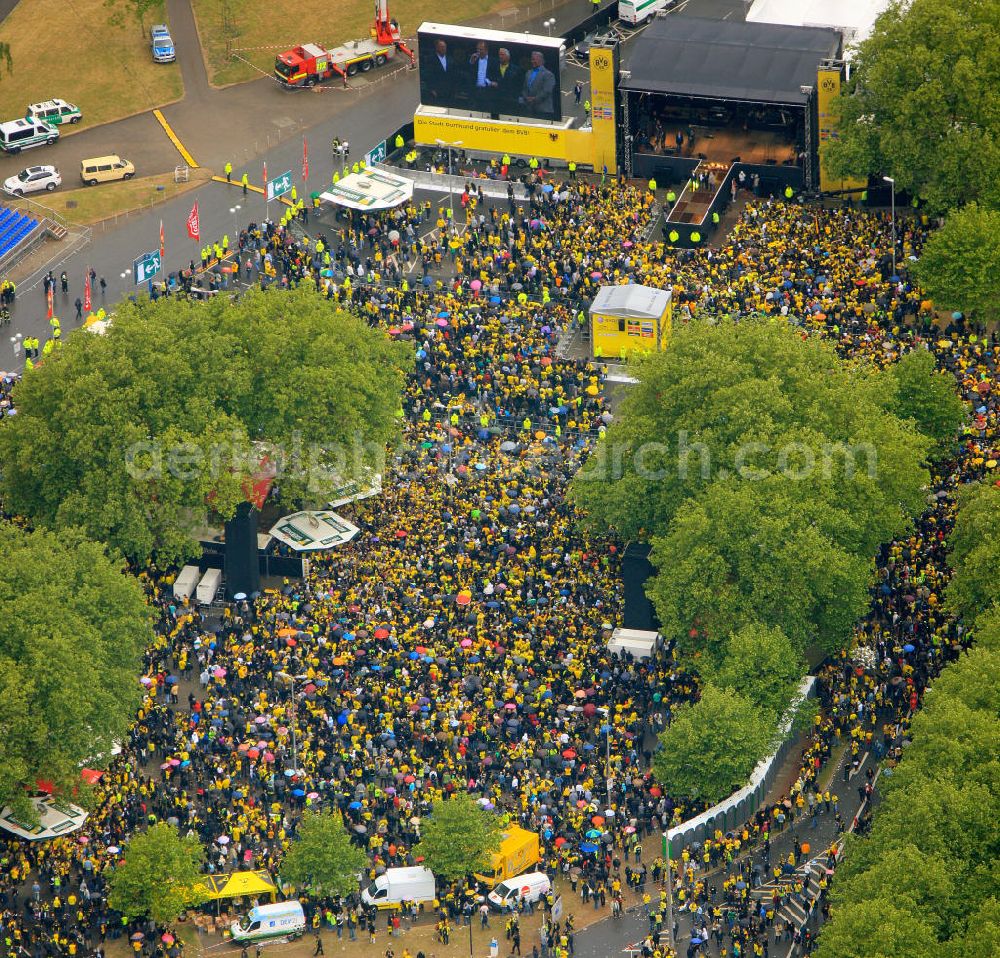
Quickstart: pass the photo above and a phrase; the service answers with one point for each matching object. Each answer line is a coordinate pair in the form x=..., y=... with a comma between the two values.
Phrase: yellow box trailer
x=629, y=319
x=518, y=852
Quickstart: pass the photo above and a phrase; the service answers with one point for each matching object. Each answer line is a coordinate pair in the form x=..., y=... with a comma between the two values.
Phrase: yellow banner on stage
x=603, y=118
x=828, y=85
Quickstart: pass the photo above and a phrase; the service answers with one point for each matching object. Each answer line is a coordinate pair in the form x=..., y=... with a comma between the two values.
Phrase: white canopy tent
x=310, y=531
x=55, y=818
x=853, y=18
x=370, y=189
x=637, y=642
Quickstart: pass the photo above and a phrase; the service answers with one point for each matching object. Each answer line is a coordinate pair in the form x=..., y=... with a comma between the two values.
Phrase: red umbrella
x=569, y=753
x=381, y=633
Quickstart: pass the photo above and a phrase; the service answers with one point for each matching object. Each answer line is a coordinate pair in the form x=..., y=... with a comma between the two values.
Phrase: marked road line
x=188, y=158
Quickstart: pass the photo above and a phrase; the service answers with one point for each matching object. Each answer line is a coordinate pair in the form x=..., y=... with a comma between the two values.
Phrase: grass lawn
x=68, y=49
x=267, y=23
x=92, y=203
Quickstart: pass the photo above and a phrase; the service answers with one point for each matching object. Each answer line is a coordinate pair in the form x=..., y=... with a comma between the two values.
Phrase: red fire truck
x=310, y=63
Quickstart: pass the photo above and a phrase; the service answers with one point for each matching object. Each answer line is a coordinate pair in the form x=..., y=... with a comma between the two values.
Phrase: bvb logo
x=553, y=137
x=601, y=62
x=829, y=84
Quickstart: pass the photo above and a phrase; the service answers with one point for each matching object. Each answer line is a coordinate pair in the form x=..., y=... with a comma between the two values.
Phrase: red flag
x=305, y=160
x=265, y=179
x=163, y=246
x=86, y=291
x=193, y=224
x=48, y=300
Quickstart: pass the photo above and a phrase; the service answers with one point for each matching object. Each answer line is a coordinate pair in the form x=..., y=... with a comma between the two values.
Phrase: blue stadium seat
x=15, y=227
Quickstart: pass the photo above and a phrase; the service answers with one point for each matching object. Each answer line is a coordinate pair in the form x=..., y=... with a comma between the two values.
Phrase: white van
x=18, y=135
x=186, y=582
x=400, y=884
x=636, y=11
x=279, y=920
x=525, y=888
x=209, y=585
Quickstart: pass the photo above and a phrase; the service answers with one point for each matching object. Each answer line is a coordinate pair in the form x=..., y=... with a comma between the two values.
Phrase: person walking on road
x=319, y=946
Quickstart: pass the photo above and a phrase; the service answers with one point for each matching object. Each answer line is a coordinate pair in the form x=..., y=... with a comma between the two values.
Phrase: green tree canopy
x=975, y=551
x=987, y=630
x=759, y=663
x=159, y=876
x=74, y=629
x=757, y=401
x=459, y=838
x=907, y=877
x=711, y=747
x=878, y=928
x=921, y=104
x=959, y=266
x=322, y=859
x=745, y=553
x=927, y=397
x=923, y=880
x=137, y=434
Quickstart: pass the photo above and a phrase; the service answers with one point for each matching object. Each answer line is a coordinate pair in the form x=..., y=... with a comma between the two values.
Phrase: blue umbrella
x=909, y=647
x=588, y=847
x=593, y=833
x=298, y=792
x=355, y=805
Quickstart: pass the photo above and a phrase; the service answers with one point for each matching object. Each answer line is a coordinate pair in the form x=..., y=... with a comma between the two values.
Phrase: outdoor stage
x=724, y=145
x=706, y=100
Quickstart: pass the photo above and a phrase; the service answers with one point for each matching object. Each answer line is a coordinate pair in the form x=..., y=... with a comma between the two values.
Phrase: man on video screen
x=539, y=87
x=507, y=79
x=440, y=76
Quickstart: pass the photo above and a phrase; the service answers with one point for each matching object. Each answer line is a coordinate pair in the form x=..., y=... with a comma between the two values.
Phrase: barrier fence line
x=741, y=805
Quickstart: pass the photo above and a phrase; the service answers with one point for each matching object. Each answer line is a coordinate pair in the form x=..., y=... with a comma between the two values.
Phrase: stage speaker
x=242, y=569
x=636, y=569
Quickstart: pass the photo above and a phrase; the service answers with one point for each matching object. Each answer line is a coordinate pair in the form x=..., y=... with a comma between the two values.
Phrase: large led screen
x=489, y=71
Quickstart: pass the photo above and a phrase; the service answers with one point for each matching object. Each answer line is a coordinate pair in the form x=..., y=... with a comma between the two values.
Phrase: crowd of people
x=459, y=642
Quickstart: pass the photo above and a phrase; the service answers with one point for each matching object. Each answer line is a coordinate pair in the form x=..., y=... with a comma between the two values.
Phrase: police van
x=17, y=135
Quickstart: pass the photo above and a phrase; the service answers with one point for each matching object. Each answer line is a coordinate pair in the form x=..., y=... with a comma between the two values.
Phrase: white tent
x=631, y=302
x=309, y=531
x=371, y=189
x=853, y=18
x=638, y=642
x=55, y=818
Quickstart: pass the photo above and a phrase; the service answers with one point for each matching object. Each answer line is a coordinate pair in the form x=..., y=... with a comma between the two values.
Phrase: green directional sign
x=279, y=186
x=145, y=267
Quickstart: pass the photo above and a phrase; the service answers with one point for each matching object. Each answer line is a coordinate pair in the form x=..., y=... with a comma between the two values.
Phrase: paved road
x=609, y=937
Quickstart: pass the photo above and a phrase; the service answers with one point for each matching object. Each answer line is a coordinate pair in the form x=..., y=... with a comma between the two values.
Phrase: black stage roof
x=728, y=60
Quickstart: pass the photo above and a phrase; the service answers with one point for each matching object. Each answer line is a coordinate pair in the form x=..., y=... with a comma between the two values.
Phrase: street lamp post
x=549, y=24
x=892, y=183
x=291, y=680
x=451, y=194
x=235, y=210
